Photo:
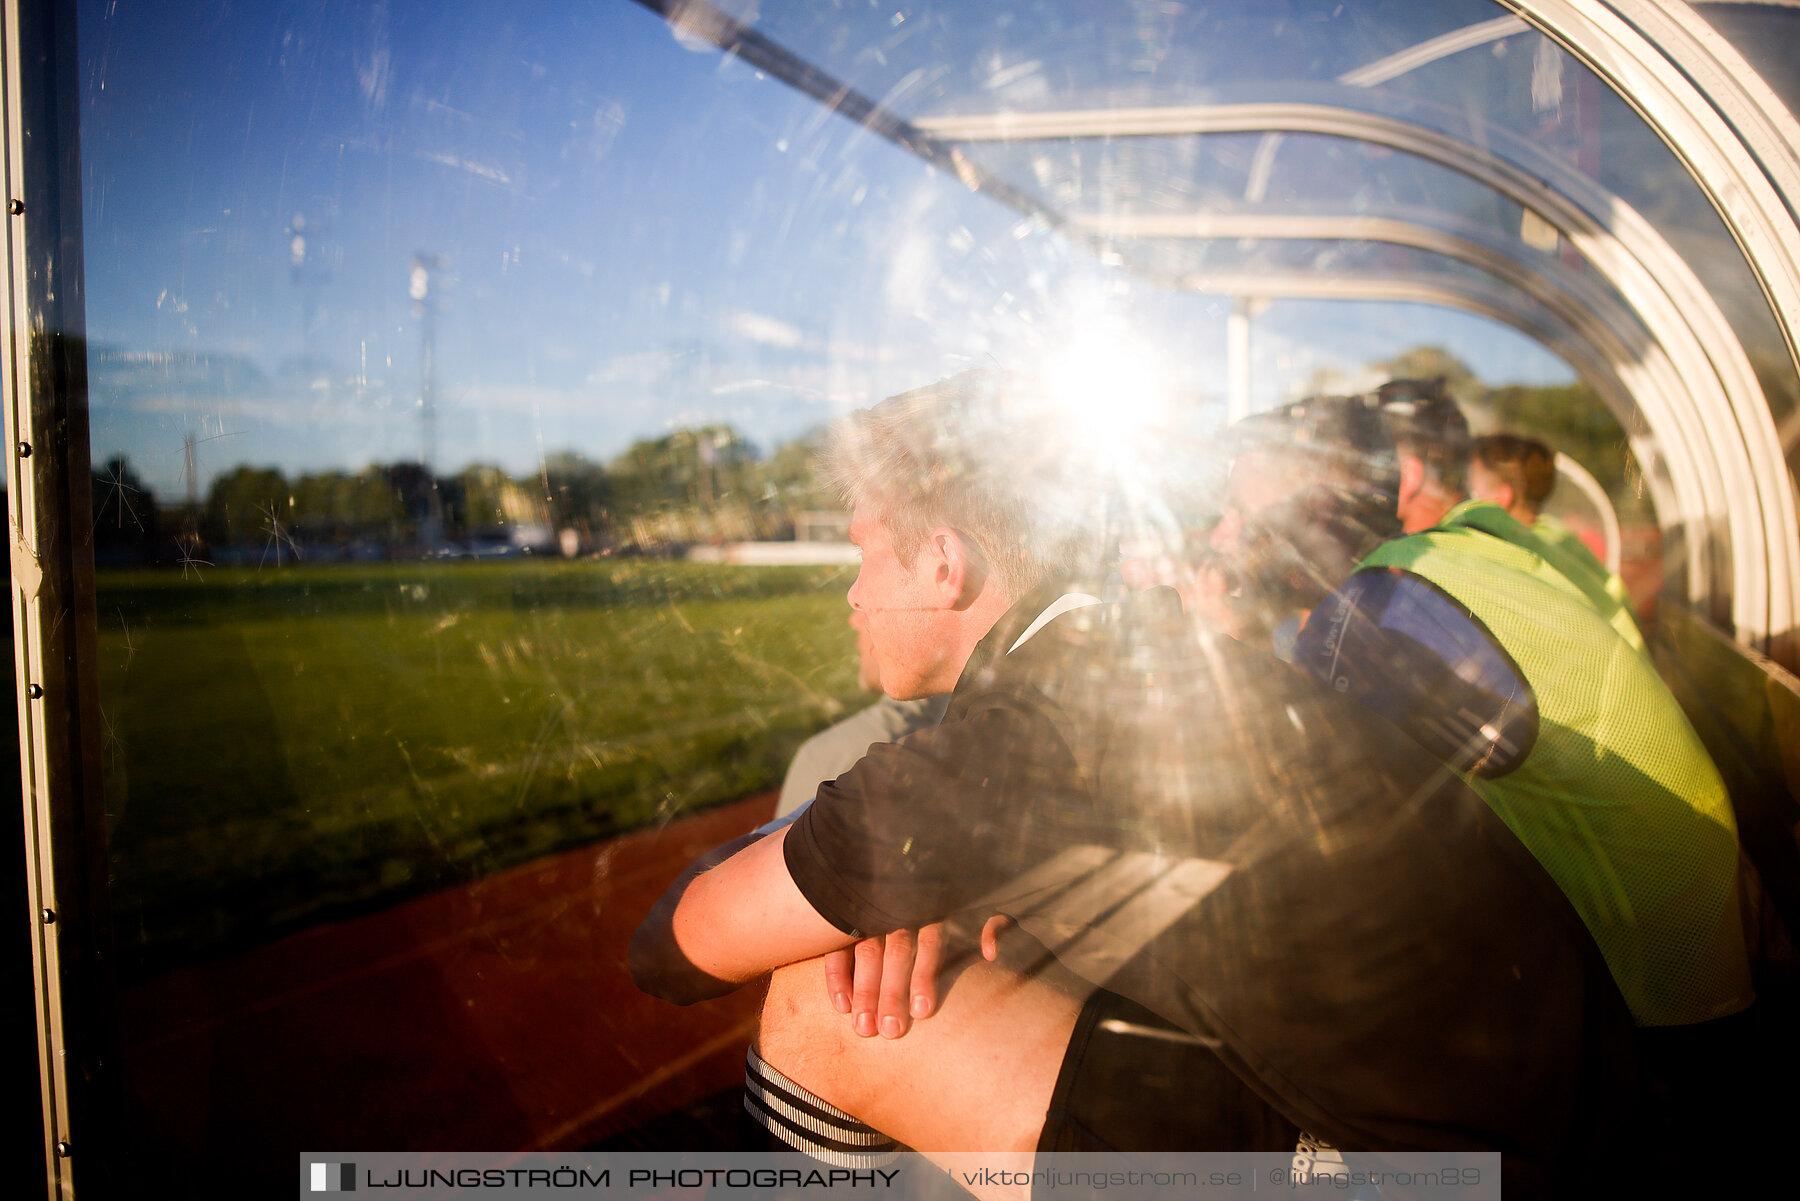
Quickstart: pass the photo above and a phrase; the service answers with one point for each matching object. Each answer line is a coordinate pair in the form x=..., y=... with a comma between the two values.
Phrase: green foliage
x=790, y=479
x=696, y=485
x=338, y=502
x=692, y=469
x=245, y=504
x=124, y=513
x=285, y=746
x=1571, y=418
x=484, y=490
x=1428, y=362
x=579, y=492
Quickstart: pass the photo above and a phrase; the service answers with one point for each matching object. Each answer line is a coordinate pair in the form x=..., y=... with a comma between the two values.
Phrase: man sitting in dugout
x=1519, y=474
x=1488, y=646
x=1278, y=921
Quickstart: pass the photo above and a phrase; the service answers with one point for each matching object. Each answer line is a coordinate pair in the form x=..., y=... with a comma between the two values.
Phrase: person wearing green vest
x=1600, y=776
x=1491, y=649
x=1519, y=474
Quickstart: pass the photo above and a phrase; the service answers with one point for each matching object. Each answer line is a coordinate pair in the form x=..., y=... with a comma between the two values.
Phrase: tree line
x=689, y=486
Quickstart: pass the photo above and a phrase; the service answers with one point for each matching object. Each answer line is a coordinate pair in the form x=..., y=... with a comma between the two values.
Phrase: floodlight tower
x=303, y=270
x=424, y=307
x=424, y=310
x=190, y=471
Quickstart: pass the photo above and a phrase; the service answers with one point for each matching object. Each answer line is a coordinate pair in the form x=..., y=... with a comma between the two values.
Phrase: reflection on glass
x=455, y=380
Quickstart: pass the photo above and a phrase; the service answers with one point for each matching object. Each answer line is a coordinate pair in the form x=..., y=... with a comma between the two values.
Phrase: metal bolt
x=24, y=450
x=49, y=916
x=34, y=691
x=63, y=1149
x=15, y=206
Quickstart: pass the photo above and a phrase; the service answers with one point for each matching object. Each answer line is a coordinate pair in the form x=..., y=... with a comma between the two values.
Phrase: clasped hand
x=886, y=982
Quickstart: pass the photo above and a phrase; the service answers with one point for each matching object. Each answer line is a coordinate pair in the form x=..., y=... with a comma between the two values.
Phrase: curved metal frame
x=1733, y=133
x=1748, y=573
x=1443, y=46
x=1585, y=315
x=1739, y=472
x=1574, y=341
x=1588, y=486
x=1742, y=147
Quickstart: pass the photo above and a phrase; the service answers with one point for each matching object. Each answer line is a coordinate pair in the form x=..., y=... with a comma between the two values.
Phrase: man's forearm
x=658, y=966
x=734, y=915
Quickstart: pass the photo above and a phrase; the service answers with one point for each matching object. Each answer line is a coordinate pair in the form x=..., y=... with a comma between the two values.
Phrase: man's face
x=1258, y=481
x=868, y=671
x=901, y=614
x=1293, y=527
x=1423, y=499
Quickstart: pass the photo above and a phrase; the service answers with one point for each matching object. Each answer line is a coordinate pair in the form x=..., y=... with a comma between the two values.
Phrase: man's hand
x=887, y=981
x=1214, y=596
x=990, y=935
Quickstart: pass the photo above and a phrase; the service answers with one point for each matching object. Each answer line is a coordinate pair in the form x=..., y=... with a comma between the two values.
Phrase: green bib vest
x=1560, y=538
x=1617, y=798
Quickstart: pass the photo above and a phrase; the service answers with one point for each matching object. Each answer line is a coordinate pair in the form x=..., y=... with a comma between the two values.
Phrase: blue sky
x=637, y=234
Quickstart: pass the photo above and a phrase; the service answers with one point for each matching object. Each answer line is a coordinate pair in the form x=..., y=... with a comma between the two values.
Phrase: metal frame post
x=50, y=527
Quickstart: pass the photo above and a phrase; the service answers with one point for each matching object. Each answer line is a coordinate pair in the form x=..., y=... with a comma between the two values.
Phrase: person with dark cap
x=1474, y=636
x=1304, y=502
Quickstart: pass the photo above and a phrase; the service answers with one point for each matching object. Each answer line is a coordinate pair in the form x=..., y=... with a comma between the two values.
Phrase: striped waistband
x=811, y=1124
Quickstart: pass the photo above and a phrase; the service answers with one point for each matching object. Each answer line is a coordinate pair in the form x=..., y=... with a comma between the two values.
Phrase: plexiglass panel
x=455, y=375
x=1472, y=70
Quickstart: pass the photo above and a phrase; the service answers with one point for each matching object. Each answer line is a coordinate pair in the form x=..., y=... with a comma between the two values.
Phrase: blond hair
x=968, y=453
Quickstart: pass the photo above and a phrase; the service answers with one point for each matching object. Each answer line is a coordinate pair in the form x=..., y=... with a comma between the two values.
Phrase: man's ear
x=958, y=571
x=1504, y=496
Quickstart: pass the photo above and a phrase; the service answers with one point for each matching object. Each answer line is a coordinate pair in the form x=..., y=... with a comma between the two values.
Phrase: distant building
x=821, y=525
x=774, y=554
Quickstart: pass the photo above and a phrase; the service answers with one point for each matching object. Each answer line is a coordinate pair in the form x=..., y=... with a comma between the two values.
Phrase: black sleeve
x=1394, y=642
x=922, y=828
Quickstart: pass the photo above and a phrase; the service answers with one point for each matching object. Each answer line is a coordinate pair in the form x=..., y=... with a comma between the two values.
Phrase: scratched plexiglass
x=455, y=375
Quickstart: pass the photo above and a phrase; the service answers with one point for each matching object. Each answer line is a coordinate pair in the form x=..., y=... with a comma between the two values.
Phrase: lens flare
x=1111, y=394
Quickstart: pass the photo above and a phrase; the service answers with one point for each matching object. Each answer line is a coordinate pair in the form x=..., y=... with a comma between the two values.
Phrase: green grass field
x=284, y=746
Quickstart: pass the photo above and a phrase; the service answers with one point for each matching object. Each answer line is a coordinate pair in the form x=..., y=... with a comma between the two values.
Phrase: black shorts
x=1132, y=1082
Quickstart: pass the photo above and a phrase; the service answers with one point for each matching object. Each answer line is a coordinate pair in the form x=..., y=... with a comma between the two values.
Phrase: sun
x=1110, y=394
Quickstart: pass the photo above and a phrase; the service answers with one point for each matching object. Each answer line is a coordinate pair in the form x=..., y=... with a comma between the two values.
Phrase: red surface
x=1640, y=560
x=498, y=1016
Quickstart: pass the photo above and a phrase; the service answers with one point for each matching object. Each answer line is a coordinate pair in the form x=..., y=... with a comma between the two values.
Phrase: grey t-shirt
x=832, y=751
